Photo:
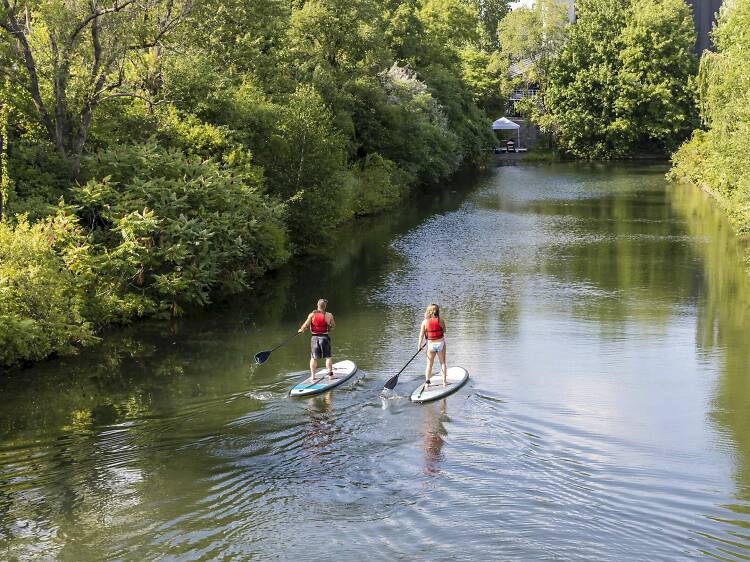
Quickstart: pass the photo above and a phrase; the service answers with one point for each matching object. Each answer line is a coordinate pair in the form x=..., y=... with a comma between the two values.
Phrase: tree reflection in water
x=723, y=311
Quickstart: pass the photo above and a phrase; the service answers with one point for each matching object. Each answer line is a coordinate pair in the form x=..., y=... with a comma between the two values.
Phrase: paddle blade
x=261, y=357
x=390, y=384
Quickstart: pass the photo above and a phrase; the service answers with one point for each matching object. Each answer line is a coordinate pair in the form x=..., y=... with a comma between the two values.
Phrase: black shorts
x=320, y=347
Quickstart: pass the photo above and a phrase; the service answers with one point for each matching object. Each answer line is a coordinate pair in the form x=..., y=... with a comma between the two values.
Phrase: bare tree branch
x=113, y=9
x=150, y=102
x=12, y=25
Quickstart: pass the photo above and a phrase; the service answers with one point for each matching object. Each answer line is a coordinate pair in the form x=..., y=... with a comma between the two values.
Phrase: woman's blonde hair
x=433, y=311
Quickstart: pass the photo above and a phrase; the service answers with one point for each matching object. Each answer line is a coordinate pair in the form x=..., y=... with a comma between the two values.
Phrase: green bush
x=40, y=177
x=306, y=166
x=377, y=185
x=41, y=302
x=170, y=230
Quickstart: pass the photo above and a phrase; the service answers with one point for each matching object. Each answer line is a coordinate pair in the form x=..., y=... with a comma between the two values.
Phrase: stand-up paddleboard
x=342, y=372
x=457, y=377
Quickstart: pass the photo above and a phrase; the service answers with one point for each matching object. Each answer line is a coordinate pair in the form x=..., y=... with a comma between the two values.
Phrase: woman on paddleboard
x=433, y=330
x=320, y=322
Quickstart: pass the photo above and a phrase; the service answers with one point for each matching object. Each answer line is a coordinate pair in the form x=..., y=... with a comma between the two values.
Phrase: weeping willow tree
x=717, y=157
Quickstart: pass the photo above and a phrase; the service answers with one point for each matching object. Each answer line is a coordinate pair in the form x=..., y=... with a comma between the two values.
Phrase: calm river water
x=602, y=313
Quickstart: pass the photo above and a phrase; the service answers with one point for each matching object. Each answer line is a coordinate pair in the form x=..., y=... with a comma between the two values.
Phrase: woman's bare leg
x=443, y=366
x=428, y=370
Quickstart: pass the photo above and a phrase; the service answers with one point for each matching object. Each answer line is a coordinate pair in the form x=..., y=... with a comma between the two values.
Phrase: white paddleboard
x=342, y=372
x=456, y=378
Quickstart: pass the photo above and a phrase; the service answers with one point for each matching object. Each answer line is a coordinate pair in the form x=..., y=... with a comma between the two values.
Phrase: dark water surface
x=603, y=316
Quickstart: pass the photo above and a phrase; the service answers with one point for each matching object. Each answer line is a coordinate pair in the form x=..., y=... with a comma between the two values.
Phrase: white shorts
x=435, y=346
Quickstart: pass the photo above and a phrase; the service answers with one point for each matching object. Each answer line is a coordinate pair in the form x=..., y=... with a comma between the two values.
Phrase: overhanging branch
x=111, y=10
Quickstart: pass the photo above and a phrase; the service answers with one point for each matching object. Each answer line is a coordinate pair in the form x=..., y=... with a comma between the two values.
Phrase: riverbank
x=716, y=159
x=723, y=175
x=62, y=292
x=197, y=165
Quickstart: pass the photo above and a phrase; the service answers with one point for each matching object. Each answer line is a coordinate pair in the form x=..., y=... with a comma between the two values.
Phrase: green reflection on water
x=723, y=317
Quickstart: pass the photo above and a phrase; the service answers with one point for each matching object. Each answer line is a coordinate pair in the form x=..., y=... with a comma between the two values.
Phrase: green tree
x=306, y=166
x=716, y=158
x=491, y=12
x=657, y=74
x=71, y=56
x=240, y=35
x=531, y=38
x=580, y=101
x=621, y=66
x=449, y=25
x=484, y=73
x=404, y=30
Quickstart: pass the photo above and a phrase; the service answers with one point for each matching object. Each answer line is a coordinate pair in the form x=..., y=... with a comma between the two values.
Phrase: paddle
x=421, y=390
x=390, y=384
x=262, y=356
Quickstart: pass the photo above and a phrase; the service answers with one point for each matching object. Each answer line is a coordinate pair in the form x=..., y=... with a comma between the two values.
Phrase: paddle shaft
x=262, y=356
x=390, y=383
x=286, y=341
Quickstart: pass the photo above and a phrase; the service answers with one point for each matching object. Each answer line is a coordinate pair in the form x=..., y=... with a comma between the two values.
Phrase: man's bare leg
x=313, y=368
x=329, y=366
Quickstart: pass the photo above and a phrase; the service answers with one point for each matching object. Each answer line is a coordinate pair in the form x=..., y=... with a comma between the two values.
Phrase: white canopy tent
x=504, y=124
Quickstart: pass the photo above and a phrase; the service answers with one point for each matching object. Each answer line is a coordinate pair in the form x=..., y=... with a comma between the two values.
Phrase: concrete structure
x=571, y=5
x=704, y=15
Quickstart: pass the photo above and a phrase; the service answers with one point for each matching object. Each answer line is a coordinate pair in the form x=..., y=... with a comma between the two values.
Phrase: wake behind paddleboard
x=342, y=372
x=456, y=378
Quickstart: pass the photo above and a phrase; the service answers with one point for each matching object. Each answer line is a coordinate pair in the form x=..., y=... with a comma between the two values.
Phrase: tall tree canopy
x=69, y=57
x=622, y=82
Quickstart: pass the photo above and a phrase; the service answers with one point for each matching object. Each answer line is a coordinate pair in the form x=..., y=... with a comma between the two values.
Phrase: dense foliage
x=193, y=145
x=42, y=305
x=623, y=82
x=718, y=158
x=167, y=229
x=531, y=38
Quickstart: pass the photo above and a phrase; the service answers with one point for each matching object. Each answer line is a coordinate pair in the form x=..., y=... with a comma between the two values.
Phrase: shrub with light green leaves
x=170, y=230
x=377, y=185
x=41, y=301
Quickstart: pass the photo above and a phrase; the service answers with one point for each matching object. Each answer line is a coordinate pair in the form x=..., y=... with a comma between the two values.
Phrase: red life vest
x=434, y=329
x=319, y=326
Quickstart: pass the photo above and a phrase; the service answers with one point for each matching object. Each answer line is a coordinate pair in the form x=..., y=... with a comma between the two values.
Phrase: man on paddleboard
x=320, y=323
